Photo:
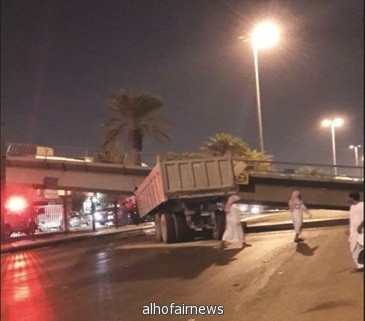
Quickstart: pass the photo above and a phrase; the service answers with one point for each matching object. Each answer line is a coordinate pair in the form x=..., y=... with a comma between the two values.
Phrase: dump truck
x=187, y=195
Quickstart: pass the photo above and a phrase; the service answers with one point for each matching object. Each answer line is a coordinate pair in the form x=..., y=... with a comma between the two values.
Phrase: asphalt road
x=113, y=278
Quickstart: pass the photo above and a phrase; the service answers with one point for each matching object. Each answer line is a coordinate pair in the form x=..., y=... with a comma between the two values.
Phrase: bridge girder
x=111, y=178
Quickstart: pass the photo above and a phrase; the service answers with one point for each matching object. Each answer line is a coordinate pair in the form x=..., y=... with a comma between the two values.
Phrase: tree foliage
x=223, y=144
x=312, y=171
x=135, y=119
x=187, y=155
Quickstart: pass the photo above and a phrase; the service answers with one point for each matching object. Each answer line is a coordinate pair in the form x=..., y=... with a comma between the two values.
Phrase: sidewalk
x=251, y=224
x=282, y=221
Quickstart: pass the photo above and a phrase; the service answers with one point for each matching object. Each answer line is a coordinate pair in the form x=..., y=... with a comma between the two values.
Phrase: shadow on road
x=330, y=305
x=304, y=249
x=227, y=256
x=118, y=265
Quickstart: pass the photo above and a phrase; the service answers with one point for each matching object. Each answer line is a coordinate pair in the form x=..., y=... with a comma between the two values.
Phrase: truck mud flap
x=182, y=232
x=158, y=227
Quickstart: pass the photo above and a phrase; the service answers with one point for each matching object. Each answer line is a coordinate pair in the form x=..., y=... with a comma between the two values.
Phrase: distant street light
x=337, y=122
x=265, y=35
x=355, y=148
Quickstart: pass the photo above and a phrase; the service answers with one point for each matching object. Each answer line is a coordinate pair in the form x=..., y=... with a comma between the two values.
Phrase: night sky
x=61, y=60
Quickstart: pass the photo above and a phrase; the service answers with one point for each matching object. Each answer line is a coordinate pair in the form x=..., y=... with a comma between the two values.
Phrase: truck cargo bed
x=185, y=180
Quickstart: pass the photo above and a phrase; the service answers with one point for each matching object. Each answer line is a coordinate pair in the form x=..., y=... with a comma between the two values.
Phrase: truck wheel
x=167, y=228
x=181, y=227
x=219, y=224
x=158, y=227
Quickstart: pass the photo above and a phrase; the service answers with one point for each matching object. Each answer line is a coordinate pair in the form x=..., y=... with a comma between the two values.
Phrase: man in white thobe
x=356, y=221
x=233, y=232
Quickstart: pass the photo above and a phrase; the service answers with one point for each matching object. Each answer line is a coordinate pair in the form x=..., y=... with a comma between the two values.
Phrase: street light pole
x=258, y=99
x=337, y=122
x=356, y=157
x=334, y=147
x=355, y=148
x=264, y=35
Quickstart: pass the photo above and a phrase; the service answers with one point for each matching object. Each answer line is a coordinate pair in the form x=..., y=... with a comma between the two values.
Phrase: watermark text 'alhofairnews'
x=182, y=309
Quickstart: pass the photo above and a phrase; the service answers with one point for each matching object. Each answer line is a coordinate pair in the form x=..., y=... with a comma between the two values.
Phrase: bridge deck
x=262, y=188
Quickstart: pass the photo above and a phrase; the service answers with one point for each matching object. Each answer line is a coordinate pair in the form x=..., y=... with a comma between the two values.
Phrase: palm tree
x=135, y=120
x=259, y=161
x=222, y=144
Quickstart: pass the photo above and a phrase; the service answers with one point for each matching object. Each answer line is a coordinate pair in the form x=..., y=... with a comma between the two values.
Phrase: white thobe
x=356, y=239
x=233, y=232
x=297, y=216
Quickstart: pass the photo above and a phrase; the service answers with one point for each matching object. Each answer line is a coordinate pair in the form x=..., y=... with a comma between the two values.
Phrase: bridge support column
x=93, y=215
x=66, y=221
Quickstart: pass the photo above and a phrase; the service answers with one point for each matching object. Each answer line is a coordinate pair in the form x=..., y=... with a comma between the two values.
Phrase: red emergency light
x=16, y=204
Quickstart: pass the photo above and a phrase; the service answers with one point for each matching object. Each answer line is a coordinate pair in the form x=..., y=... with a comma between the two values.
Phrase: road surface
x=114, y=278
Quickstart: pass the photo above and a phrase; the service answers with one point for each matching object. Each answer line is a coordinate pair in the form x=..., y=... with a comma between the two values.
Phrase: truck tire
x=181, y=227
x=167, y=228
x=219, y=224
x=158, y=227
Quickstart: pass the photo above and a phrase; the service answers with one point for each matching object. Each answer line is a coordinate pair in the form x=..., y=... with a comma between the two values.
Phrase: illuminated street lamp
x=355, y=148
x=265, y=35
x=337, y=122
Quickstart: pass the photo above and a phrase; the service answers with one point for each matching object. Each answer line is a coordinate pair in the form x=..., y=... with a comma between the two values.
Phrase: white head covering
x=232, y=199
x=295, y=199
x=295, y=194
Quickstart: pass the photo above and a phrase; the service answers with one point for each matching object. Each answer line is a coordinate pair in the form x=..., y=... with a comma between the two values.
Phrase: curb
x=72, y=238
x=289, y=226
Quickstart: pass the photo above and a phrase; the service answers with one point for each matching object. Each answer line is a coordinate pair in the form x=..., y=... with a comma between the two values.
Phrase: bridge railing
x=298, y=170
x=81, y=154
x=76, y=154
